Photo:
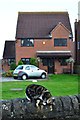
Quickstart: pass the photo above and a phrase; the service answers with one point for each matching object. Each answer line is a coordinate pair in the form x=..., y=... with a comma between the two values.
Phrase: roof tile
x=40, y=24
x=9, y=50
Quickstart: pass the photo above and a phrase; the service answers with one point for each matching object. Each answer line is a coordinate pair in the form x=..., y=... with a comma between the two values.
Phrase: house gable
x=60, y=31
x=60, y=25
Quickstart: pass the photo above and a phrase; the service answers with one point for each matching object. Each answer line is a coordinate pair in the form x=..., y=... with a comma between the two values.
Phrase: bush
x=8, y=73
x=13, y=66
x=20, y=62
x=33, y=61
x=4, y=74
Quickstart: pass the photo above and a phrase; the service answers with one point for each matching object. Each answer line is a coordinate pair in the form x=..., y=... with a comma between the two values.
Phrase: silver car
x=26, y=71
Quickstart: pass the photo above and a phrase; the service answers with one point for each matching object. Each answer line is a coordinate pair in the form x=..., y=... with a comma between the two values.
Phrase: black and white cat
x=40, y=96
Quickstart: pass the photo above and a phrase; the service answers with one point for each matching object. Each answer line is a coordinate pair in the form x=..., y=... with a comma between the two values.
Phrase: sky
x=9, y=13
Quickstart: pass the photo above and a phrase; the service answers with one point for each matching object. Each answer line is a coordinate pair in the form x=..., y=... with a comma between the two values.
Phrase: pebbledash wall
x=66, y=108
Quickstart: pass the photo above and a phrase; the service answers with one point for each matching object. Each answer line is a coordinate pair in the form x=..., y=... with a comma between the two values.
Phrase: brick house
x=47, y=36
x=8, y=54
x=77, y=42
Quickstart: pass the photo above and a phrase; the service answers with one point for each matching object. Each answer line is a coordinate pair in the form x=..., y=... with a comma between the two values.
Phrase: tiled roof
x=40, y=24
x=9, y=50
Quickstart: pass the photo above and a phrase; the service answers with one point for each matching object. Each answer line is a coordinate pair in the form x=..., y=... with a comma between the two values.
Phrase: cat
x=40, y=96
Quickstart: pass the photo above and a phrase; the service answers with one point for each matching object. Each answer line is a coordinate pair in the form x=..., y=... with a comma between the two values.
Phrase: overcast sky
x=9, y=12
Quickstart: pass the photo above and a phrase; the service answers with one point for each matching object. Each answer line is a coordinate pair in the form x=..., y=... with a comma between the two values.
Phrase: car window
x=34, y=68
x=19, y=68
x=27, y=68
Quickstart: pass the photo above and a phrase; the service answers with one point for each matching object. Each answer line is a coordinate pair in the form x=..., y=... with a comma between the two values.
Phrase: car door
x=35, y=71
x=28, y=70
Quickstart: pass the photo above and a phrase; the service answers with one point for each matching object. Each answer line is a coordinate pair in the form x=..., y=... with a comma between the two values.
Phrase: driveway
x=8, y=79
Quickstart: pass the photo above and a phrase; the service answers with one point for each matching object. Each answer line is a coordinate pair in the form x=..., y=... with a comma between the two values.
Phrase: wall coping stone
x=66, y=108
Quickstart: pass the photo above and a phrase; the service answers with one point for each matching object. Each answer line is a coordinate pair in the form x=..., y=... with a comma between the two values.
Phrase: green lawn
x=58, y=85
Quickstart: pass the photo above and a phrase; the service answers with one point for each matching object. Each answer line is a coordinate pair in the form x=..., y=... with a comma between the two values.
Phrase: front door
x=50, y=66
x=49, y=62
x=50, y=69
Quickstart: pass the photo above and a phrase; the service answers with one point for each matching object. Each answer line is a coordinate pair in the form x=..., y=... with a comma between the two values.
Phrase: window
x=63, y=62
x=19, y=68
x=44, y=61
x=79, y=45
x=27, y=68
x=47, y=62
x=60, y=42
x=34, y=67
x=27, y=42
x=25, y=60
x=11, y=61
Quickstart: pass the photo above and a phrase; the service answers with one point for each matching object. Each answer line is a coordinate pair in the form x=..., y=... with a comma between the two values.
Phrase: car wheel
x=43, y=76
x=24, y=77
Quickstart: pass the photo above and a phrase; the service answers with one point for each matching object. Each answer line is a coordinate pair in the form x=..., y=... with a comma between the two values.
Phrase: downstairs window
x=26, y=60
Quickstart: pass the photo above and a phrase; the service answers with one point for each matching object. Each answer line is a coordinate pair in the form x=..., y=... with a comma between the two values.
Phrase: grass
x=58, y=85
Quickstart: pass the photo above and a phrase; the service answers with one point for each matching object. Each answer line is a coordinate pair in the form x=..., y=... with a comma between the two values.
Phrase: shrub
x=4, y=74
x=33, y=61
x=8, y=73
x=20, y=62
x=13, y=66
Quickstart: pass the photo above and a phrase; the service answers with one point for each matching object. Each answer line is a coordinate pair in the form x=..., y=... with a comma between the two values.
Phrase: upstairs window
x=27, y=42
x=60, y=42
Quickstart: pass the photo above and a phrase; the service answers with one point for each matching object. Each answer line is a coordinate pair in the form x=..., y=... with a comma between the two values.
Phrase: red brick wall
x=5, y=67
x=28, y=52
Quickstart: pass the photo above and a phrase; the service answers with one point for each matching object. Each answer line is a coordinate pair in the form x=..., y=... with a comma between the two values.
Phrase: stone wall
x=66, y=108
